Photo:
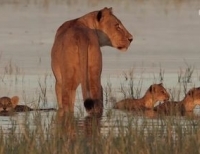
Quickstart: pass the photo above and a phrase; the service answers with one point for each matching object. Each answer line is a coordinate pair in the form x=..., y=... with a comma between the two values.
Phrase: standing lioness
x=76, y=57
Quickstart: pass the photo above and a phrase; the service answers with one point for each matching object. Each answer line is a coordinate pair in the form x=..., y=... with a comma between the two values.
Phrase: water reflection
x=68, y=124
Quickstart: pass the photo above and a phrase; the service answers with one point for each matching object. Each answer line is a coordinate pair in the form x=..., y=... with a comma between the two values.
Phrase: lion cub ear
x=14, y=100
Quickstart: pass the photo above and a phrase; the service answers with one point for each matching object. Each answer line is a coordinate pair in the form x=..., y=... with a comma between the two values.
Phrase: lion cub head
x=8, y=104
x=111, y=31
x=158, y=92
x=192, y=98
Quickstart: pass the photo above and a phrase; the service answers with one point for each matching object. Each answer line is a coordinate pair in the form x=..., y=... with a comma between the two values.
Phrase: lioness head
x=7, y=104
x=192, y=97
x=111, y=31
x=158, y=92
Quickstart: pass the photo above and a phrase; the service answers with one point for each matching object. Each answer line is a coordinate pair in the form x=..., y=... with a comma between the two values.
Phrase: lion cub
x=191, y=99
x=155, y=93
x=8, y=104
x=11, y=105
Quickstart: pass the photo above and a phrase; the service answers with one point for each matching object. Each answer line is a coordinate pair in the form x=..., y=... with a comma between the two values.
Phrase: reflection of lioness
x=77, y=58
x=156, y=92
x=191, y=99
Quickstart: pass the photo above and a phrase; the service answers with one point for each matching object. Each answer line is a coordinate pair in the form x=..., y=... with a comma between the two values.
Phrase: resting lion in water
x=76, y=57
x=191, y=99
x=8, y=105
x=155, y=93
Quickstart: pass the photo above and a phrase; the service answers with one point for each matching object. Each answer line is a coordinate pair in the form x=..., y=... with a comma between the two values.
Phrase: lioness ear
x=190, y=93
x=14, y=100
x=110, y=9
x=151, y=89
x=103, y=12
x=107, y=10
x=99, y=16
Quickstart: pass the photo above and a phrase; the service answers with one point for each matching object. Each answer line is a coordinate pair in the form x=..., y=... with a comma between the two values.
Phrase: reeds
x=127, y=135
x=116, y=132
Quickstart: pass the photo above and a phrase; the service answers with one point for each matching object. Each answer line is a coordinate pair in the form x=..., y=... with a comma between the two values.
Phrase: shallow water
x=166, y=39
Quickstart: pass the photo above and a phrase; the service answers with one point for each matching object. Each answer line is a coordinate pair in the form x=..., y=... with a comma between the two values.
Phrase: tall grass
x=114, y=134
x=68, y=134
x=185, y=76
x=133, y=89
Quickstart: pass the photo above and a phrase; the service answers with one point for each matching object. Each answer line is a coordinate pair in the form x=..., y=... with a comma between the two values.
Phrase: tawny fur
x=155, y=93
x=8, y=105
x=76, y=57
x=191, y=99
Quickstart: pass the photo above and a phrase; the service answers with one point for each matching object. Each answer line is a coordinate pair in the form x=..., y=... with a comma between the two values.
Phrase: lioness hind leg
x=69, y=87
x=58, y=85
x=68, y=99
x=58, y=88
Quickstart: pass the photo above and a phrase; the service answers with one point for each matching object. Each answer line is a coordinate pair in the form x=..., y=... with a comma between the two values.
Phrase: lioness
x=76, y=57
x=11, y=105
x=191, y=99
x=155, y=93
